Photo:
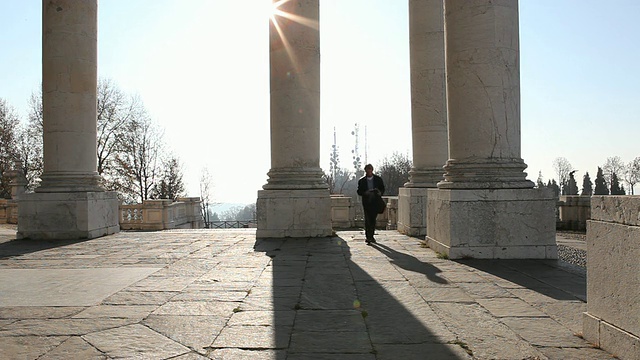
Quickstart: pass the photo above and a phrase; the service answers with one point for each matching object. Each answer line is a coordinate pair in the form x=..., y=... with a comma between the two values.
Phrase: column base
x=492, y=223
x=67, y=216
x=293, y=213
x=412, y=211
x=610, y=338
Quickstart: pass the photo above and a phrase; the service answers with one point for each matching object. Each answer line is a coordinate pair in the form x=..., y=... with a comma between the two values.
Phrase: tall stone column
x=428, y=113
x=295, y=201
x=69, y=203
x=485, y=207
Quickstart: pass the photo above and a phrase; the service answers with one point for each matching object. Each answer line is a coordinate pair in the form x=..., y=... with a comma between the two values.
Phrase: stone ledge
x=620, y=343
x=617, y=209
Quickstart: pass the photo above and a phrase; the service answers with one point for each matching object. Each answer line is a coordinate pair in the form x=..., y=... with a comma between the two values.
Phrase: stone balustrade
x=8, y=211
x=162, y=215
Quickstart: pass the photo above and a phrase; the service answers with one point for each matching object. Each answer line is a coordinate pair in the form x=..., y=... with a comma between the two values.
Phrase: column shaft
x=428, y=92
x=295, y=201
x=483, y=95
x=69, y=81
x=295, y=97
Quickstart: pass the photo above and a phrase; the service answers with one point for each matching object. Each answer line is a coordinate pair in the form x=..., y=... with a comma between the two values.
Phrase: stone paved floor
x=222, y=295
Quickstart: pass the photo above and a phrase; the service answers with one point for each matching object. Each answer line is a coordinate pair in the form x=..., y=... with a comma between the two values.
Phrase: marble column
x=485, y=207
x=69, y=203
x=295, y=201
x=428, y=113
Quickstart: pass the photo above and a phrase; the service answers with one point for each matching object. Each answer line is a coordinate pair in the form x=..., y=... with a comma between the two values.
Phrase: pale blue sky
x=201, y=68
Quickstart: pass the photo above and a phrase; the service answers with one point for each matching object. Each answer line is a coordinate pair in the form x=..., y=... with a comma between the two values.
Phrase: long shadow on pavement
x=410, y=263
x=14, y=247
x=329, y=306
x=552, y=278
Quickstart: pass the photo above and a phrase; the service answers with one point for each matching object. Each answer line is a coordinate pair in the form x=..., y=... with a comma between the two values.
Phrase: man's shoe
x=372, y=240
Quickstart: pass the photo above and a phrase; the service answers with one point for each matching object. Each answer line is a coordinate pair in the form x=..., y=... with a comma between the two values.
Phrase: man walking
x=371, y=188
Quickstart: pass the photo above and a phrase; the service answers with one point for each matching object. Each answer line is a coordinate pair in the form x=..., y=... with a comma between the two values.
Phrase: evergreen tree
x=601, y=184
x=554, y=186
x=587, y=185
x=615, y=185
x=540, y=181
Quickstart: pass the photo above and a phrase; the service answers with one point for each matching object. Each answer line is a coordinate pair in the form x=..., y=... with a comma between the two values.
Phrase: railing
x=162, y=215
x=236, y=224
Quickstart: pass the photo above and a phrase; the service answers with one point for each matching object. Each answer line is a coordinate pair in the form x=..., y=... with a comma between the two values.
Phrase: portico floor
x=220, y=294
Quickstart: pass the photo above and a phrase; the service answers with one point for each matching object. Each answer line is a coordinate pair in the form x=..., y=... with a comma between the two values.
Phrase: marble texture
x=492, y=223
x=74, y=215
x=613, y=284
x=293, y=213
x=412, y=211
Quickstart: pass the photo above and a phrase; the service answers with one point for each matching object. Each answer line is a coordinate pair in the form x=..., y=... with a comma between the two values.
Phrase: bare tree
x=137, y=163
x=338, y=180
x=115, y=110
x=632, y=173
x=562, y=167
x=613, y=165
x=31, y=142
x=205, y=195
x=9, y=140
x=394, y=170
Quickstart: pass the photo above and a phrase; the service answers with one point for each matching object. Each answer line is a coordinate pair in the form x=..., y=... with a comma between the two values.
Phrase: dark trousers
x=370, y=215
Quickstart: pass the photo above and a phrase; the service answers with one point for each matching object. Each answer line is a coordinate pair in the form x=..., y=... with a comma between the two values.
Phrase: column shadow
x=341, y=311
x=18, y=247
x=552, y=278
x=410, y=263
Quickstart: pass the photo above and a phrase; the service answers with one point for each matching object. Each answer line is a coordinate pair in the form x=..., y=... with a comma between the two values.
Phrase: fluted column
x=428, y=113
x=428, y=93
x=483, y=95
x=295, y=201
x=69, y=81
x=294, y=60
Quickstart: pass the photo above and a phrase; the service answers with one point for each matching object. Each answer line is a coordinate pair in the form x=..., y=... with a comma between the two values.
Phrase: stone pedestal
x=56, y=216
x=492, y=223
x=412, y=211
x=293, y=213
x=613, y=282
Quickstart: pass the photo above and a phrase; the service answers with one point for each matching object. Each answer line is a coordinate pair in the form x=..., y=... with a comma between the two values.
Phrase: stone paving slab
x=222, y=294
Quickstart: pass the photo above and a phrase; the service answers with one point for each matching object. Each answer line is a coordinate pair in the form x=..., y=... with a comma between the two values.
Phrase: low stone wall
x=346, y=213
x=8, y=211
x=613, y=276
x=162, y=215
x=573, y=212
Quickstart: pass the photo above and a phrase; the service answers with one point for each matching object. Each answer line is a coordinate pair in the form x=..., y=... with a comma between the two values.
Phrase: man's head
x=368, y=169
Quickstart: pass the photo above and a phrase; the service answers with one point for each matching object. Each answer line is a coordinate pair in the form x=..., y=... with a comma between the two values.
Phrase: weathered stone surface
x=140, y=297
x=436, y=351
x=134, y=341
x=330, y=342
x=544, y=332
x=488, y=338
x=510, y=307
x=82, y=287
x=331, y=320
x=624, y=345
x=484, y=291
x=59, y=327
x=624, y=210
x=27, y=347
x=221, y=308
x=567, y=313
x=491, y=224
x=263, y=318
x=253, y=337
x=74, y=348
x=38, y=312
x=135, y=312
x=293, y=213
x=613, y=287
x=194, y=332
x=445, y=294
x=242, y=354
x=568, y=353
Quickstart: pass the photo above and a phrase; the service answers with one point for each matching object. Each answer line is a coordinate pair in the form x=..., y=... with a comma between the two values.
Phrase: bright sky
x=201, y=69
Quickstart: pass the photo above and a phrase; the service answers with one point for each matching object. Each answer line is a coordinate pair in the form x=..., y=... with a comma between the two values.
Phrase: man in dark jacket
x=371, y=188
